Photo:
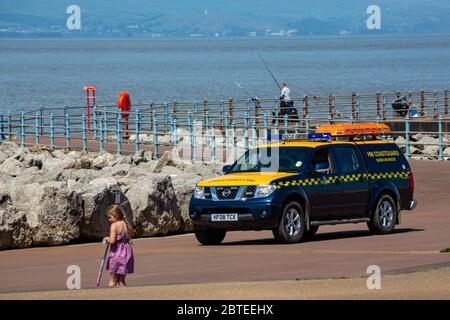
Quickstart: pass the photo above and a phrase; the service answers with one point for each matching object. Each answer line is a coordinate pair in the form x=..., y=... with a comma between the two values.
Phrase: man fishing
x=286, y=103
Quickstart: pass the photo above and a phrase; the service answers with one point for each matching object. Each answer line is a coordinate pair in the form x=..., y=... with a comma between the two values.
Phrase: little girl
x=120, y=259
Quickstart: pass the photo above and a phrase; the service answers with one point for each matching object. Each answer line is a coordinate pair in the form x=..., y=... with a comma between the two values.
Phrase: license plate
x=224, y=217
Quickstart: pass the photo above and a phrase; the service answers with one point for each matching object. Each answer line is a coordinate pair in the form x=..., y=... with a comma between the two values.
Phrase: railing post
x=378, y=104
x=213, y=146
x=407, y=147
x=105, y=125
x=422, y=102
x=357, y=108
x=174, y=108
x=230, y=108
x=67, y=130
x=194, y=139
x=52, y=131
x=175, y=134
x=137, y=140
x=2, y=128
x=441, y=138
x=9, y=126
x=254, y=133
x=166, y=115
x=118, y=131
x=286, y=123
x=155, y=137
x=84, y=133
x=36, y=131
x=191, y=134
x=446, y=102
x=94, y=118
x=22, y=129
x=435, y=105
x=226, y=130
x=410, y=103
x=353, y=105
x=307, y=122
x=102, y=139
x=246, y=125
x=305, y=108
x=233, y=139
x=265, y=131
x=65, y=117
x=205, y=108
x=257, y=113
x=384, y=106
x=41, y=122
x=331, y=108
x=207, y=128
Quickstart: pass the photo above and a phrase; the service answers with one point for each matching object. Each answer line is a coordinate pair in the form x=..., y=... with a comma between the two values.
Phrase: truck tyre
x=311, y=232
x=210, y=237
x=384, y=216
x=292, y=225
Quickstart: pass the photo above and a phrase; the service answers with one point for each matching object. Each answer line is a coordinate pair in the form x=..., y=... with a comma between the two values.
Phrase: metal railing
x=214, y=127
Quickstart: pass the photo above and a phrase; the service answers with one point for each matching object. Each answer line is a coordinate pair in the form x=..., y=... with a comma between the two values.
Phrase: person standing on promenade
x=120, y=259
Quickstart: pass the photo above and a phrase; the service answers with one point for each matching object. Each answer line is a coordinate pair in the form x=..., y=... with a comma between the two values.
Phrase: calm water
x=54, y=72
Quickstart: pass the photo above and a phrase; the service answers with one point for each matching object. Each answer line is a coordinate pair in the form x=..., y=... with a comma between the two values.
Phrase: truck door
x=350, y=165
x=322, y=185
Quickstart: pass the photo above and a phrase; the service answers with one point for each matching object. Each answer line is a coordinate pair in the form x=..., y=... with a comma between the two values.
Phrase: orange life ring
x=124, y=104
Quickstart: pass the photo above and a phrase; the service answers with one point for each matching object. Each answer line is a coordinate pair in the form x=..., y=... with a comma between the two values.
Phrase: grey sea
x=52, y=73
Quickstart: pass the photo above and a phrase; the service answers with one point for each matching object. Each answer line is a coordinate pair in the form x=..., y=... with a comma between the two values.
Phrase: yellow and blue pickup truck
x=347, y=173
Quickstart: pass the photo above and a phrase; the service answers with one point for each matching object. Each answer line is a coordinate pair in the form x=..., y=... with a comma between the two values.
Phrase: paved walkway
x=337, y=251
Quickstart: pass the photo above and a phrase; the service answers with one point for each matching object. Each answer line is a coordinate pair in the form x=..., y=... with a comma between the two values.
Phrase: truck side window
x=347, y=160
x=322, y=156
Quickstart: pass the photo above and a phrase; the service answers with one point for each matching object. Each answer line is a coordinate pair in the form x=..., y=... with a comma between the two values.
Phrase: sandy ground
x=431, y=284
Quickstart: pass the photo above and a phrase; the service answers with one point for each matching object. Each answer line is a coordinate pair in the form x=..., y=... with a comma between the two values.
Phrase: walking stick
x=102, y=264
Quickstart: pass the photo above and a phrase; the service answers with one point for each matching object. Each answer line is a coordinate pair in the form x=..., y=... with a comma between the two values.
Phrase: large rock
x=400, y=141
x=120, y=169
x=100, y=195
x=14, y=229
x=8, y=147
x=447, y=152
x=184, y=185
x=430, y=150
x=154, y=205
x=426, y=141
x=52, y=211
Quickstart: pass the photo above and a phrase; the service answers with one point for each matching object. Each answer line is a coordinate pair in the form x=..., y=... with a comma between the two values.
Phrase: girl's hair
x=118, y=213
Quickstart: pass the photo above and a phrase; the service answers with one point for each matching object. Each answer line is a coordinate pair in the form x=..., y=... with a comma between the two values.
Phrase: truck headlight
x=264, y=190
x=199, y=192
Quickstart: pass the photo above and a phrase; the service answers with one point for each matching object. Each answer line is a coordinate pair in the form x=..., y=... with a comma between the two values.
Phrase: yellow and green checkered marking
x=344, y=178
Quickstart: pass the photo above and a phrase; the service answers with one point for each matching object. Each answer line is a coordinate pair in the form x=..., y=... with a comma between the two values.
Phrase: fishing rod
x=268, y=69
x=273, y=77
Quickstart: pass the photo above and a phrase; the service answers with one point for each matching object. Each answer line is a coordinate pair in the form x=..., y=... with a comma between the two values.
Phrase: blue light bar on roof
x=319, y=136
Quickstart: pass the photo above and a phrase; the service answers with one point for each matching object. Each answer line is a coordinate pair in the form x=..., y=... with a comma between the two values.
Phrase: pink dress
x=120, y=259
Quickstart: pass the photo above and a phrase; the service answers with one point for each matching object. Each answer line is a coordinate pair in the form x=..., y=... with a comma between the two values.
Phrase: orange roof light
x=355, y=129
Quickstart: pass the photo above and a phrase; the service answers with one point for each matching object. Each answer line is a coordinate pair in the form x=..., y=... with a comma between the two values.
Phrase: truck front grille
x=227, y=193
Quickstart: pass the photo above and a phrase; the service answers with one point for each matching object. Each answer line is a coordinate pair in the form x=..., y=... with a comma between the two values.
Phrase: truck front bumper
x=253, y=214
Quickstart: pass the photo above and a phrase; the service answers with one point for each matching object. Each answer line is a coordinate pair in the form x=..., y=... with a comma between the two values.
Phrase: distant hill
x=180, y=18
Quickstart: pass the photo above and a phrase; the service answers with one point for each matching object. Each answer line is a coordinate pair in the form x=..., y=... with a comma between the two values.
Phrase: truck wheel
x=210, y=237
x=292, y=224
x=311, y=232
x=384, y=216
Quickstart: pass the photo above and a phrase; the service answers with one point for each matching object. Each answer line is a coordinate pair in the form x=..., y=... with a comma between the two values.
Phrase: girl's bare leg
x=122, y=280
x=113, y=280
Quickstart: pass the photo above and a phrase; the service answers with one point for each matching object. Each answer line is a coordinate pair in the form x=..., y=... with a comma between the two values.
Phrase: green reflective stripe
x=344, y=178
